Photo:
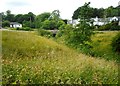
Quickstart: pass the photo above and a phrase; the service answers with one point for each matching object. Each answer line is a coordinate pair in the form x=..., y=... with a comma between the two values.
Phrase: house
x=103, y=21
x=15, y=25
x=96, y=21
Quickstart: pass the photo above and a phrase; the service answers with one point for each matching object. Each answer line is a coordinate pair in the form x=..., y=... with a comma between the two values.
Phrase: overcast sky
x=66, y=7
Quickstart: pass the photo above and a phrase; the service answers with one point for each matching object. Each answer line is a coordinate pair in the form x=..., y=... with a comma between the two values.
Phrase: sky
x=66, y=7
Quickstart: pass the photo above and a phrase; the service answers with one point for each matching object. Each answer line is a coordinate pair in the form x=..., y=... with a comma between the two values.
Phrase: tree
x=10, y=17
x=80, y=35
x=55, y=15
x=98, y=12
x=85, y=11
x=76, y=13
x=88, y=13
x=41, y=18
x=19, y=18
x=2, y=15
x=5, y=24
x=50, y=23
x=8, y=12
x=112, y=11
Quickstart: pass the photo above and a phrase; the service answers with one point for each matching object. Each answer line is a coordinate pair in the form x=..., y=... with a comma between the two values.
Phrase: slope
x=28, y=58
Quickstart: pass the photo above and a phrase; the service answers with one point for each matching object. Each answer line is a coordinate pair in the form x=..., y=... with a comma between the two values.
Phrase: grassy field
x=102, y=45
x=28, y=58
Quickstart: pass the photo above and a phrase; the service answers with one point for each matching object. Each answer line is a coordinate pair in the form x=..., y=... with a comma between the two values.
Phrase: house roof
x=14, y=23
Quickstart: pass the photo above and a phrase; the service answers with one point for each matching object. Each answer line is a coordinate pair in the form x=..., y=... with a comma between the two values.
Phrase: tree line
x=52, y=20
x=99, y=12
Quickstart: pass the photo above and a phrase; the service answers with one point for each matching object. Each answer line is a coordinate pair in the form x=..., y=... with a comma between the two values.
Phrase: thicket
x=116, y=43
x=45, y=33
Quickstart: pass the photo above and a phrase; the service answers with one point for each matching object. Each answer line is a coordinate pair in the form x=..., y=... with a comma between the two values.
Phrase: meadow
x=101, y=42
x=31, y=59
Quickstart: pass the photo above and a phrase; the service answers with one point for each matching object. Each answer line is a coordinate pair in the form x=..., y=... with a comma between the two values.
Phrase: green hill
x=28, y=58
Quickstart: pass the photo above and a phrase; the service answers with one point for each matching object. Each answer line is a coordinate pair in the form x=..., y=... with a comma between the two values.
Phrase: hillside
x=28, y=58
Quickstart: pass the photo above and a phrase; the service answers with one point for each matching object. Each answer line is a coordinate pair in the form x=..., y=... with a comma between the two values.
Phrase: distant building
x=15, y=25
x=103, y=21
x=96, y=21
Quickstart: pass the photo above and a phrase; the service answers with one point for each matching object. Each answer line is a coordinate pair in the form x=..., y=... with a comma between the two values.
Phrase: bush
x=45, y=33
x=49, y=25
x=116, y=43
x=27, y=28
x=77, y=37
x=110, y=26
x=24, y=28
x=5, y=24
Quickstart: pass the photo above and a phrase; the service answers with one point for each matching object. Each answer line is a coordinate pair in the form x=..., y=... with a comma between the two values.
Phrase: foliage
x=49, y=25
x=44, y=33
x=80, y=35
x=110, y=26
x=30, y=59
x=6, y=24
x=101, y=45
x=77, y=37
x=28, y=24
x=112, y=11
x=23, y=28
x=85, y=11
x=116, y=43
x=27, y=19
x=99, y=12
x=41, y=18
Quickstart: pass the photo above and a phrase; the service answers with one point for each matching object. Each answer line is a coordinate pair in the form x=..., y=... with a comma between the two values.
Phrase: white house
x=96, y=21
x=103, y=21
x=15, y=25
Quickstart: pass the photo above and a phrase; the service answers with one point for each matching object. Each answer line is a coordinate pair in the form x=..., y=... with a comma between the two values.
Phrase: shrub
x=27, y=29
x=116, y=43
x=77, y=37
x=24, y=28
x=110, y=26
x=45, y=33
x=5, y=24
x=49, y=25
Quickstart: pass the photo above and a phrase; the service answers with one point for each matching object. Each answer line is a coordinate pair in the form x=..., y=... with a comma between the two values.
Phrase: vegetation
x=101, y=46
x=31, y=59
x=116, y=43
x=45, y=33
x=110, y=26
x=79, y=36
x=100, y=13
x=23, y=29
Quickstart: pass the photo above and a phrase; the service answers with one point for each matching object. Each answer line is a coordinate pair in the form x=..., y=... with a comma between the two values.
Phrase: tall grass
x=31, y=59
x=102, y=48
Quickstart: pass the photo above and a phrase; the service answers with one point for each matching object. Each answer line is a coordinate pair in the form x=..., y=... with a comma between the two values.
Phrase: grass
x=31, y=59
x=101, y=42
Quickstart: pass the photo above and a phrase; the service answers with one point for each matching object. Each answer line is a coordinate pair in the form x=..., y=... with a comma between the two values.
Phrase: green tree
x=80, y=35
x=19, y=18
x=8, y=12
x=82, y=10
x=5, y=24
x=41, y=18
x=49, y=25
x=112, y=11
